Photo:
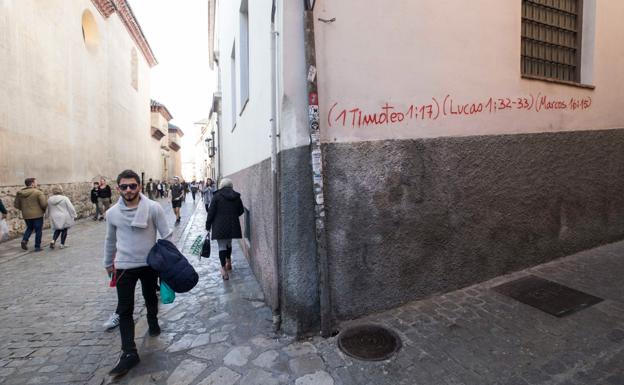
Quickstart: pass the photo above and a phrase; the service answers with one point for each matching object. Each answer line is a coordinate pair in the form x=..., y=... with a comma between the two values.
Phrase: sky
x=177, y=31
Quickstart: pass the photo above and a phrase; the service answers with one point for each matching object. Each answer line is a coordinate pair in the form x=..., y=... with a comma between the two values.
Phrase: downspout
x=316, y=154
x=275, y=172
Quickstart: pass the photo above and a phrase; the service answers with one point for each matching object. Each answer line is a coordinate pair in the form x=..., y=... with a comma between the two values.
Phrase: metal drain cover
x=369, y=342
x=548, y=296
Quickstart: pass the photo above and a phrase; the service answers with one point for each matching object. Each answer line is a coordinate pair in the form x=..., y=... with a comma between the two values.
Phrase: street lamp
x=211, y=147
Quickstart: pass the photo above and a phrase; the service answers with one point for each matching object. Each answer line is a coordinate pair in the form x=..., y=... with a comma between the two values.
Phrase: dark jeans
x=97, y=210
x=35, y=224
x=62, y=233
x=126, y=283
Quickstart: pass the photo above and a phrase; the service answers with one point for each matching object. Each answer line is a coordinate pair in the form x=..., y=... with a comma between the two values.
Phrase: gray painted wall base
x=299, y=301
x=409, y=218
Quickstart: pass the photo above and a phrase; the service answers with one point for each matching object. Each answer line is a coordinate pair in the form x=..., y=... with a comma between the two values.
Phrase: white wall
x=406, y=53
x=67, y=113
x=248, y=143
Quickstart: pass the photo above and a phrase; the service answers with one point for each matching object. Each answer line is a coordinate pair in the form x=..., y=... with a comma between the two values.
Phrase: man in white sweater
x=131, y=226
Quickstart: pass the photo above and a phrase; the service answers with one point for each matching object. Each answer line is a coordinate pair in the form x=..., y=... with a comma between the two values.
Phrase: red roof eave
x=108, y=7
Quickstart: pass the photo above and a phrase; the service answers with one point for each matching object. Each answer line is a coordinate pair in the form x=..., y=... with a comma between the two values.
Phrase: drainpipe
x=275, y=172
x=316, y=154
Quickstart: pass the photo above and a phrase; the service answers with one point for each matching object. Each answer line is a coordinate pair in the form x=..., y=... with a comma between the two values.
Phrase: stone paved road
x=53, y=304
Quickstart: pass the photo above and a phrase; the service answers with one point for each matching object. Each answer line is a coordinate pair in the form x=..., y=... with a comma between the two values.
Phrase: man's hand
x=110, y=270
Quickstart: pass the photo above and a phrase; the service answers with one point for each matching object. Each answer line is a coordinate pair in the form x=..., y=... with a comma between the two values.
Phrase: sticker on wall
x=316, y=160
x=311, y=73
x=315, y=138
x=313, y=98
x=313, y=113
x=314, y=126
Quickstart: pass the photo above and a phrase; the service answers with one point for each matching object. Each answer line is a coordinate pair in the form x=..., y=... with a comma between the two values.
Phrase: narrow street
x=54, y=303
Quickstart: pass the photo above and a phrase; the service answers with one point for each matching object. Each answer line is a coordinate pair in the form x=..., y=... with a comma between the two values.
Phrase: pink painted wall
x=432, y=68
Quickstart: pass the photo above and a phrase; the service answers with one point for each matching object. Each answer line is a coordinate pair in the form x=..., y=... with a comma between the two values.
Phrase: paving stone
x=238, y=356
x=317, y=378
x=305, y=365
x=259, y=377
x=4, y=372
x=202, y=339
x=218, y=337
x=221, y=376
x=148, y=379
x=299, y=349
x=182, y=344
x=267, y=359
x=48, y=369
x=186, y=372
x=265, y=342
x=211, y=352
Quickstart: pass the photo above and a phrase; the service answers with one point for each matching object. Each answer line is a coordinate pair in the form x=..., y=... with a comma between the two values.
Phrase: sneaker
x=52, y=245
x=24, y=243
x=154, y=328
x=112, y=322
x=63, y=246
x=126, y=362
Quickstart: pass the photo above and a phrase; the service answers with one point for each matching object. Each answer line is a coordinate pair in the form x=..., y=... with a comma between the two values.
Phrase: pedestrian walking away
x=151, y=189
x=104, y=197
x=177, y=197
x=159, y=186
x=207, y=192
x=94, y=200
x=194, y=187
x=32, y=203
x=225, y=208
x=62, y=215
x=132, y=225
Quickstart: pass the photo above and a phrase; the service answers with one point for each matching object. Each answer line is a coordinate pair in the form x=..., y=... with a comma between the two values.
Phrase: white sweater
x=129, y=237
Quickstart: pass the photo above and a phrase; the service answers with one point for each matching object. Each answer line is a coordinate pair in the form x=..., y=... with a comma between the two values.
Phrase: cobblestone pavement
x=53, y=304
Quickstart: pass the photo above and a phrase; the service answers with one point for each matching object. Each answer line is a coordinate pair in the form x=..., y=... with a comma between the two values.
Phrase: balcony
x=158, y=133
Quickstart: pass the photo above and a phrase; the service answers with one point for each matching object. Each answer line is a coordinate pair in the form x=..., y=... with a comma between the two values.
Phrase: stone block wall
x=78, y=194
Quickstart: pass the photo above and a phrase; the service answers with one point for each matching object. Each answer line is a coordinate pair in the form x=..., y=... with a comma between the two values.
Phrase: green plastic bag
x=167, y=295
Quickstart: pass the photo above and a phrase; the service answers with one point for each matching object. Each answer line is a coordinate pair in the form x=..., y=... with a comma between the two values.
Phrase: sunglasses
x=131, y=186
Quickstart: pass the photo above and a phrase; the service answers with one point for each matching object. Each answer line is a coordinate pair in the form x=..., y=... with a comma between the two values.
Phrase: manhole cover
x=369, y=342
x=548, y=296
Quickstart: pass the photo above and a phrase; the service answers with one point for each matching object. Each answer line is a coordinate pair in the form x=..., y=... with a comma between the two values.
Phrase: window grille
x=551, y=39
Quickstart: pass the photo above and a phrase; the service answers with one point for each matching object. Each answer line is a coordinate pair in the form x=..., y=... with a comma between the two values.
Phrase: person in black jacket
x=94, y=199
x=104, y=197
x=225, y=208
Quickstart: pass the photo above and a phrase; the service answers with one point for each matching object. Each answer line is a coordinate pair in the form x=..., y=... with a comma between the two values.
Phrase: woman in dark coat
x=225, y=208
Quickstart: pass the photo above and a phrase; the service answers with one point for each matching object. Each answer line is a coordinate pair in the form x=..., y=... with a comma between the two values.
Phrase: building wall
x=69, y=112
x=90, y=120
x=421, y=199
x=245, y=152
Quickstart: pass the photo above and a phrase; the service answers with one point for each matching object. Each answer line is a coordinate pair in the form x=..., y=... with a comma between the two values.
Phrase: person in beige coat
x=32, y=202
x=61, y=213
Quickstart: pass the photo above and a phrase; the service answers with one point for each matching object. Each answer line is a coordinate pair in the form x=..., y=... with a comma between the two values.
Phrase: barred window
x=551, y=39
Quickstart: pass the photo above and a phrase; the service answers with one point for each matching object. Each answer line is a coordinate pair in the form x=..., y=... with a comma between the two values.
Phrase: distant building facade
x=160, y=131
x=74, y=96
x=174, y=137
x=206, y=147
